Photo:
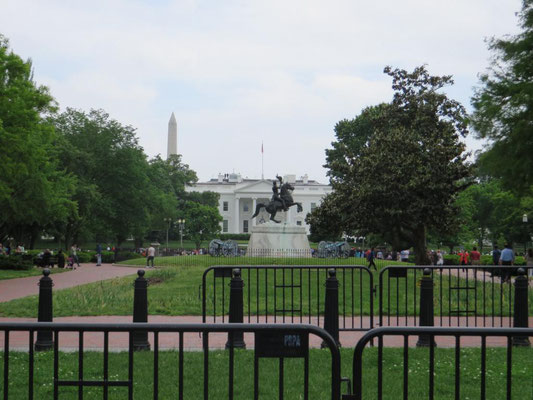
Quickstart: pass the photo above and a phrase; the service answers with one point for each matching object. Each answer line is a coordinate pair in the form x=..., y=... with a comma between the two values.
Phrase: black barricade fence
x=470, y=363
x=291, y=294
x=477, y=296
x=281, y=364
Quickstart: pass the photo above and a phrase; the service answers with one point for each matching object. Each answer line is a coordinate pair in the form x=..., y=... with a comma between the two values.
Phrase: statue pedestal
x=278, y=240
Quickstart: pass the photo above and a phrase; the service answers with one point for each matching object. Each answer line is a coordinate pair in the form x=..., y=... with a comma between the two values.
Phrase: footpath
x=21, y=287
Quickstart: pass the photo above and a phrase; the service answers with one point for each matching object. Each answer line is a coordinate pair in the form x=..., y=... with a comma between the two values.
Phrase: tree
x=325, y=223
x=503, y=107
x=34, y=193
x=113, y=192
x=398, y=172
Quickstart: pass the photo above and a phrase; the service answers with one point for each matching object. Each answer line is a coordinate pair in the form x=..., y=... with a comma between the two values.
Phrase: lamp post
x=181, y=225
x=168, y=221
x=524, y=220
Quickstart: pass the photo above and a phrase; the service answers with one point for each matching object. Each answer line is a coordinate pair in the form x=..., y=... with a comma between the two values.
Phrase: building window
x=225, y=206
x=225, y=226
x=245, y=226
x=299, y=223
x=313, y=206
x=245, y=207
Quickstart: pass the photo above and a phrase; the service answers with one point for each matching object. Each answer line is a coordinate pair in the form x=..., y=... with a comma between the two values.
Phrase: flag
x=262, y=147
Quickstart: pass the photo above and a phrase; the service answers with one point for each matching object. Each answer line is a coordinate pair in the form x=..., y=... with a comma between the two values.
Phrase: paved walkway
x=21, y=287
x=69, y=341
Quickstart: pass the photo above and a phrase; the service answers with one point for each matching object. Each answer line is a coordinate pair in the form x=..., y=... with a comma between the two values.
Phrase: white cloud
x=236, y=73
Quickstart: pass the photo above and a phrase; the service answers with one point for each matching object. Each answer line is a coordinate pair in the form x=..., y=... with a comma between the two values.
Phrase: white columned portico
x=254, y=204
x=237, y=217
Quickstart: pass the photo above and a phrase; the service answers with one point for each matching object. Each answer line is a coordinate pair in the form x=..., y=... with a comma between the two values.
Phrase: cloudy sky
x=237, y=73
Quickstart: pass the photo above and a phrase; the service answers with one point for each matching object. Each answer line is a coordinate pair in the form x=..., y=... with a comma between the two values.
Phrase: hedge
x=16, y=261
x=234, y=236
x=453, y=259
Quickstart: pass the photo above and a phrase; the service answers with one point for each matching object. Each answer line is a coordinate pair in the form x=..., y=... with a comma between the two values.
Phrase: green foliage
x=234, y=236
x=16, y=262
x=397, y=168
x=34, y=193
x=503, y=107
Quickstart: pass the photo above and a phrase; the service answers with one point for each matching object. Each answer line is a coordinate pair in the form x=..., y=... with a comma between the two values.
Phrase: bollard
x=45, y=339
x=521, y=309
x=426, y=307
x=140, y=311
x=236, y=310
x=331, y=307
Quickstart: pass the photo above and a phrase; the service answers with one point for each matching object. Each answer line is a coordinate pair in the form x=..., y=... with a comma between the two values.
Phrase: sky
x=241, y=73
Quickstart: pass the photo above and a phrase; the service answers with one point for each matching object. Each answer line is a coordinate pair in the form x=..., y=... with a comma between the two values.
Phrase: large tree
x=398, y=170
x=114, y=192
x=503, y=107
x=34, y=193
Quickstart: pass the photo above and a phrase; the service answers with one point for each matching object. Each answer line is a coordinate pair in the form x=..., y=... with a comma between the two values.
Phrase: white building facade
x=239, y=198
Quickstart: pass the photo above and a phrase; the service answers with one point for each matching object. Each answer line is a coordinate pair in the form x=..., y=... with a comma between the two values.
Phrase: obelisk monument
x=172, y=144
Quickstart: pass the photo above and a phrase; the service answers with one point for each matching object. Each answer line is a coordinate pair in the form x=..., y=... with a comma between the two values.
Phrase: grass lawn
x=208, y=261
x=319, y=378
x=12, y=273
x=176, y=291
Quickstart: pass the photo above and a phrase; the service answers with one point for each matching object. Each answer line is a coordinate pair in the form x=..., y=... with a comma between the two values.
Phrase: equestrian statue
x=281, y=200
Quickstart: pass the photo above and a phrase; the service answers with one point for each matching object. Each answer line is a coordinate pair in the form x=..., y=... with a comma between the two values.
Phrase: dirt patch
x=154, y=280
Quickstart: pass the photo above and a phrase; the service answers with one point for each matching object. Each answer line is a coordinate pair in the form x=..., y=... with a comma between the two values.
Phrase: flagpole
x=262, y=162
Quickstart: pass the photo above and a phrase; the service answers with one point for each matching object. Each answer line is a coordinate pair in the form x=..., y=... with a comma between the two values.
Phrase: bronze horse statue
x=277, y=204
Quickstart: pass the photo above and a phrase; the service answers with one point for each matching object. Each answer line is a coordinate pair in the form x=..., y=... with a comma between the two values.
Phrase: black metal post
x=236, y=309
x=331, y=307
x=45, y=339
x=521, y=308
x=140, y=311
x=426, y=307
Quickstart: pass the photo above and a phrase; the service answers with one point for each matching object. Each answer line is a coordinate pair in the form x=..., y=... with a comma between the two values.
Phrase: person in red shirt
x=475, y=256
x=463, y=257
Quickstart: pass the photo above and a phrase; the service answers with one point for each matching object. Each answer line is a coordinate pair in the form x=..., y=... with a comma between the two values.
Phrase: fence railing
x=270, y=341
x=291, y=294
x=469, y=295
x=461, y=376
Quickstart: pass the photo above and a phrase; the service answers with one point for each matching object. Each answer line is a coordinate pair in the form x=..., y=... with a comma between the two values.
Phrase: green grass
x=319, y=379
x=208, y=261
x=12, y=274
x=175, y=291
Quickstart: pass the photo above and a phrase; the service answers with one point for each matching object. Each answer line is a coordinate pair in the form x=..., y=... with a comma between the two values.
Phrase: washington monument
x=172, y=144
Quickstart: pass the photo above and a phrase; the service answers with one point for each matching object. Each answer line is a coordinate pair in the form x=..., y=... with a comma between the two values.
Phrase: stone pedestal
x=278, y=240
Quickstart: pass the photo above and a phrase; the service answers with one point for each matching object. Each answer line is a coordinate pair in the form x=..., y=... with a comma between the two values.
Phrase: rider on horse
x=275, y=191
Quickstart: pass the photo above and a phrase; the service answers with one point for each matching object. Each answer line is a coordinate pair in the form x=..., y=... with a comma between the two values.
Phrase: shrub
x=234, y=236
x=16, y=261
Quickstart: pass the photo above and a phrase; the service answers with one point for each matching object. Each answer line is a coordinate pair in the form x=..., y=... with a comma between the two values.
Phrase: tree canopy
x=397, y=168
x=33, y=191
x=503, y=107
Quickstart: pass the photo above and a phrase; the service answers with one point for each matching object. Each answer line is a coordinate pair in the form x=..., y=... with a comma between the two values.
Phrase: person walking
x=74, y=255
x=98, y=255
x=475, y=256
x=150, y=257
x=370, y=258
x=496, y=255
x=506, y=258
x=440, y=258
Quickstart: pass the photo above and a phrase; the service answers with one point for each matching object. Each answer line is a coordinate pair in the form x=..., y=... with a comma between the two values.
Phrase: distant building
x=239, y=197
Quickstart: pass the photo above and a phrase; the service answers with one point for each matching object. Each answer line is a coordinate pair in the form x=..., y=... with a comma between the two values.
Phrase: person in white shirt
x=440, y=258
x=150, y=257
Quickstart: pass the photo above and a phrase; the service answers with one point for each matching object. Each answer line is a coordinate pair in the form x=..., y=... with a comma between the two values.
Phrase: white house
x=239, y=197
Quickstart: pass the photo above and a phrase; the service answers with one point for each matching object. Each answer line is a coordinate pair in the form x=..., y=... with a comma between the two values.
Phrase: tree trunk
x=421, y=257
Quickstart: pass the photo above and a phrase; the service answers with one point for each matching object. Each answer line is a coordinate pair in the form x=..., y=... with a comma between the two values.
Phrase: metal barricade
x=291, y=294
x=465, y=295
x=438, y=371
x=270, y=341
